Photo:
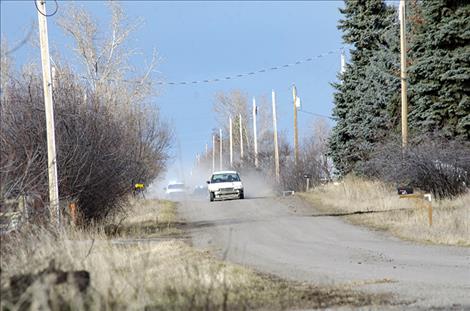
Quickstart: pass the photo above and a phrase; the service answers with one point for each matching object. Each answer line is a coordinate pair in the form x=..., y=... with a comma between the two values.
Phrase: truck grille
x=227, y=190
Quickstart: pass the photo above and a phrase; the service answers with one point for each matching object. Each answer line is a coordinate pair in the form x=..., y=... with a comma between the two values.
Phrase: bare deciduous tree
x=106, y=57
x=316, y=145
x=5, y=68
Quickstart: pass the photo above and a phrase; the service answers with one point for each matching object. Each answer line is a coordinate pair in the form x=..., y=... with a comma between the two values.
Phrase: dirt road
x=286, y=237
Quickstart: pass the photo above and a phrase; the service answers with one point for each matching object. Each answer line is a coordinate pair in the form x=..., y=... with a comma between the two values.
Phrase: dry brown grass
x=147, y=219
x=168, y=275
x=451, y=218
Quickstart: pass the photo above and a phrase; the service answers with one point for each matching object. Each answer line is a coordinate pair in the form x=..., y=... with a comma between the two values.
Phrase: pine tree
x=440, y=72
x=365, y=99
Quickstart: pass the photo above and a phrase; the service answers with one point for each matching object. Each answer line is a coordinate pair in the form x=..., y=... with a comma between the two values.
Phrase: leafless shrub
x=431, y=163
x=312, y=163
x=309, y=165
x=100, y=152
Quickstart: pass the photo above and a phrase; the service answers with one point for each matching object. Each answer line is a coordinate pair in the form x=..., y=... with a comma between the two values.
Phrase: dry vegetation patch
x=149, y=275
x=147, y=219
x=451, y=218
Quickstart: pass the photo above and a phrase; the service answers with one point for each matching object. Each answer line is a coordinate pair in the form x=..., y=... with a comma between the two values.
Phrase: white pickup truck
x=225, y=184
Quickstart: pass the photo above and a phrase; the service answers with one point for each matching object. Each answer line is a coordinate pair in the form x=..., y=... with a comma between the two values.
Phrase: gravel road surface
x=287, y=237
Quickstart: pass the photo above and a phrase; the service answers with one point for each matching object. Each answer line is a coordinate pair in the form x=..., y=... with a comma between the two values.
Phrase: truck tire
x=211, y=196
x=241, y=196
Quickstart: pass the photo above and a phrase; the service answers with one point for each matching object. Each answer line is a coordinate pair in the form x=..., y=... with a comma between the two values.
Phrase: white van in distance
x=175, y=190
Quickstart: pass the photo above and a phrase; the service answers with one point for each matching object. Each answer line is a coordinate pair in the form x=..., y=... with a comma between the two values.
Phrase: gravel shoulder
x=283, y=237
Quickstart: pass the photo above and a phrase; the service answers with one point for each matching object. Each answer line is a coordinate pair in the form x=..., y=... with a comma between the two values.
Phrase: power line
x=228, y=77
x=317, y=114
x=22, y=42
x=251, y=73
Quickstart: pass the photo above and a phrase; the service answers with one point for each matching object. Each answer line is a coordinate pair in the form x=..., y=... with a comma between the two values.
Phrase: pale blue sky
x=205, y=40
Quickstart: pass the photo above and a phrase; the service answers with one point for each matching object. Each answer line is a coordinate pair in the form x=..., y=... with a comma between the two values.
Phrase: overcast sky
x=207, y=40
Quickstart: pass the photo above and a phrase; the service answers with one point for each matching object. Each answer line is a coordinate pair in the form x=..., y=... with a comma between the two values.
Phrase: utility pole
x=404, y=100
x=255, y=137
x=296, y=130
x=241, y=137
x=276, y=146
x=220, y=145
x=231, y=142
x=49, y=108
x=213, y=153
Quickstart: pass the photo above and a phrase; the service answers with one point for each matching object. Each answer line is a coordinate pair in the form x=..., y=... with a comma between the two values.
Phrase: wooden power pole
x=49, y=108
x=276, y=146
x=255, y=137
x=296, y=130
x=241, y=136
x=404, y=99
x=231, y=141
x=220, y=146
x=213, y=153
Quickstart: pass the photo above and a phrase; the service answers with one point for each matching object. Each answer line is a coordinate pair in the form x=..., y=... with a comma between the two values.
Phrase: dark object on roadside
x=405, y=190
x=49, y=277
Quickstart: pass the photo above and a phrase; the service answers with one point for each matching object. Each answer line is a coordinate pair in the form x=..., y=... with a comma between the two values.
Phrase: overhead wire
x=227, y=77
x=22, y=42
x=317, y=114
x=250, y=73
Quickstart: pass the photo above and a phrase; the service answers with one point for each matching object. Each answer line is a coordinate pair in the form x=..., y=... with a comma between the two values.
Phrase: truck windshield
x=216, y=178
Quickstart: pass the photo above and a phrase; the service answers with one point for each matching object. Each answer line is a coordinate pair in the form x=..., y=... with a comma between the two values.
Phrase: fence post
x=427, y=202
x=428, y=199
x=73, y=213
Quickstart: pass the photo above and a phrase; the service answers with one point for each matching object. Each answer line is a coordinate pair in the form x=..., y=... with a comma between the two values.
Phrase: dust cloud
x=256, y=184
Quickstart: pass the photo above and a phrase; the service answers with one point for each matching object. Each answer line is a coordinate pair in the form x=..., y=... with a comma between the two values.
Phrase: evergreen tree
x=365, y=99
x=440, y=73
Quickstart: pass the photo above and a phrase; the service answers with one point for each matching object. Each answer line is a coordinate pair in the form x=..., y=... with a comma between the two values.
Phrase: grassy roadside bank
x=147, y=219
x=400, y=217
x=150, y=275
